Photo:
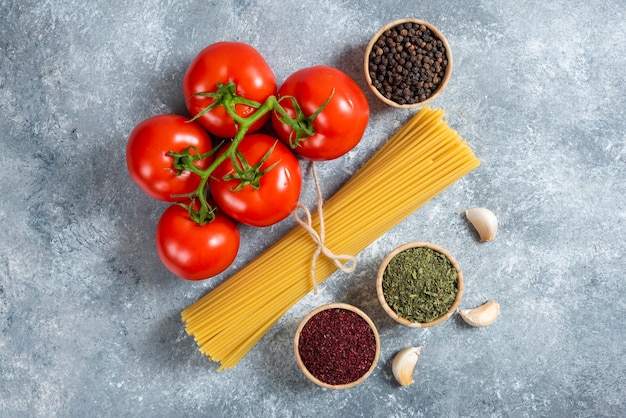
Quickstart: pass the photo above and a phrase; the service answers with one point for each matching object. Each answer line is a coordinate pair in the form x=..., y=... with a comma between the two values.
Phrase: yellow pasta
x=422, y=159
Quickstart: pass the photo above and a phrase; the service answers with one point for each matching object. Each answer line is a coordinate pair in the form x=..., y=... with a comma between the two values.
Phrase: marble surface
x=90, y=319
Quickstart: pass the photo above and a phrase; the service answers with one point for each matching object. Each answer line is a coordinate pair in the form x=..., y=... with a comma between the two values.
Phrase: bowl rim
x=404, y=321
x=335, y=305
x=442, y=85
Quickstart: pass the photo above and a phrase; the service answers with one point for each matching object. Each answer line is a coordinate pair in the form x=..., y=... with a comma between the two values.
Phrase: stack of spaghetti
x=422, y=159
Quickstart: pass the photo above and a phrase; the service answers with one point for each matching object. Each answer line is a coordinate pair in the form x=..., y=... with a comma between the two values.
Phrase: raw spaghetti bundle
x=422, y=159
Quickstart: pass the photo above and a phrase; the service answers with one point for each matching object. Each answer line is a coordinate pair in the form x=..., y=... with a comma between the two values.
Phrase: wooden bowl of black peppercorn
x=408, y=63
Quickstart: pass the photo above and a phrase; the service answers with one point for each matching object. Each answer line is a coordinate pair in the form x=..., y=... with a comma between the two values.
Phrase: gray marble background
x=89, y=318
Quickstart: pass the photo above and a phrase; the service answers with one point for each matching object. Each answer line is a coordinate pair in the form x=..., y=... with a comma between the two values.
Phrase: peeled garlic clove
x=403, y=364
x=484, y=221
x=481, y=316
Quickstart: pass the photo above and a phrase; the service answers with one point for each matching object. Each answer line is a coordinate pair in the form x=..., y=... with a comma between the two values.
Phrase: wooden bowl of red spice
x=337, y=346
x=408, y=63
x=419, y=284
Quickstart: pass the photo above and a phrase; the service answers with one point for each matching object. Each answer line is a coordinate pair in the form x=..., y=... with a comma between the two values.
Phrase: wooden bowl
x=392, y=313
x=306, y=371
x=443, y=83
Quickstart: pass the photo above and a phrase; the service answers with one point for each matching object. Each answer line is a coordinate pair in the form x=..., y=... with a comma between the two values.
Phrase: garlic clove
x=404, y=363
x=482, y=315
x=484, y=221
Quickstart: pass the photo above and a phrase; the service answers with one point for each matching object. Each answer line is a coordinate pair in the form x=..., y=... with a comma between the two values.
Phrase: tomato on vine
x=193, y=251
x=330, y=103
x=261, y=185
x=151, y=166
x=254, y=178
x=228, y=63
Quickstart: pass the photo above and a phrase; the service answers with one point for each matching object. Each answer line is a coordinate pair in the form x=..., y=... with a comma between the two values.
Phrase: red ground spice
x=337, y=346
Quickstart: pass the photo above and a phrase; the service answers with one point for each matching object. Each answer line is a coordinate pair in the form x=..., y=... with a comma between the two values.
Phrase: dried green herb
x=420, y=284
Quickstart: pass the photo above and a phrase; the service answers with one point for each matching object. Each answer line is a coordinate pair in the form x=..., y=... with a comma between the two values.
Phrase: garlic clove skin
x=404, y=363
x=484, y=221
x=482, y=315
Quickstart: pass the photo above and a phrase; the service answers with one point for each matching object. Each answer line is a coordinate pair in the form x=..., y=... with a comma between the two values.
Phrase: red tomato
x=278, y=190
x=192, y=251
x=339, y=127
x=149, y=164
x=223, y=62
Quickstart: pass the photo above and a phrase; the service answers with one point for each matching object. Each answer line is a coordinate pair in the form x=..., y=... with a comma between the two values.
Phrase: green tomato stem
x=226, y=96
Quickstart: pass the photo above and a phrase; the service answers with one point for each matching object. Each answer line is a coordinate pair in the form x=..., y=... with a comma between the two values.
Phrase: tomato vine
x=247, y=174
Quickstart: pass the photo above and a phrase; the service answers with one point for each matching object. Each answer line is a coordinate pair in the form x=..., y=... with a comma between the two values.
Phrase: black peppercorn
x=408, y=63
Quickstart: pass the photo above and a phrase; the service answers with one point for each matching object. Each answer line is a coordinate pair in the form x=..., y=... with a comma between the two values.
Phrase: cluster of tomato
x=217, y=169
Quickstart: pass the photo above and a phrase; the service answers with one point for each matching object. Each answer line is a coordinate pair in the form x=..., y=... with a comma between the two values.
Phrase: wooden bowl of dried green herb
x=337, y=346
x=408, y=63
x=419, y=284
